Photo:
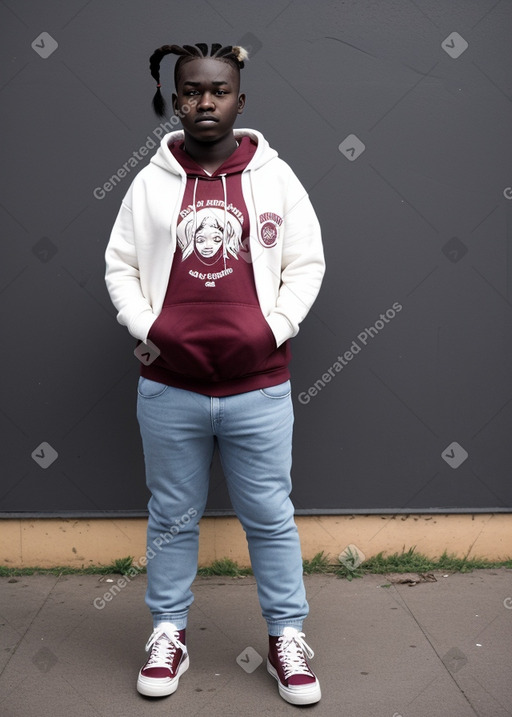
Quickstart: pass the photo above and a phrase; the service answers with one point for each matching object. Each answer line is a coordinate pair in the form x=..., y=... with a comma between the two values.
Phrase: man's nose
x=206, y=101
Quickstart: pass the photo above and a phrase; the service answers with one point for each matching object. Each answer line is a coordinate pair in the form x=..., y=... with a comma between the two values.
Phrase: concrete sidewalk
x=435, y=649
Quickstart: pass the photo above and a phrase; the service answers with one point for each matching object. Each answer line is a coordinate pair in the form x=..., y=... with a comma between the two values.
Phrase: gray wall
x=416, y=412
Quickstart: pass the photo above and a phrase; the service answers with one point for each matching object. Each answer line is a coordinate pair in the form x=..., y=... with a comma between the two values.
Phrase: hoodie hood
x=164, y=158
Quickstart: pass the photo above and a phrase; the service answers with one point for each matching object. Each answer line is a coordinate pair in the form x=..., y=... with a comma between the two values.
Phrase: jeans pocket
x=282, y=390
x=150, y=389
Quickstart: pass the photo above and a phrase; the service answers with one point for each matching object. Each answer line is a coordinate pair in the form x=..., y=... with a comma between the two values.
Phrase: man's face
x=208, y=238
x=207, y=98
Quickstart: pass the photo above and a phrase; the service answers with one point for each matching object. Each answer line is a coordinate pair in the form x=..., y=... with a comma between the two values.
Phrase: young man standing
x=215, y=259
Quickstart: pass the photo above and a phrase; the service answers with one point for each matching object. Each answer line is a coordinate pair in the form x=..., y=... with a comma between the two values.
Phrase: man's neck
x=210, y=156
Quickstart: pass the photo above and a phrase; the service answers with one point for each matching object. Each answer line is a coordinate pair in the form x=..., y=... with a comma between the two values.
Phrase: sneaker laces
x=291, y=649
x=163, y=648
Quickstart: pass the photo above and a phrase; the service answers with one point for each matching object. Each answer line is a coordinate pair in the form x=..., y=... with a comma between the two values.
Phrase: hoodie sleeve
x=123, y=278
x=302, y=266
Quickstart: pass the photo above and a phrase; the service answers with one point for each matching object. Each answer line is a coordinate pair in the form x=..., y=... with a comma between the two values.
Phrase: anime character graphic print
x=210, y=239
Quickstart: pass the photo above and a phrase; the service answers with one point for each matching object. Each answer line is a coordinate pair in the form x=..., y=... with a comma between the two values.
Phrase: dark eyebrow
x=215, y=82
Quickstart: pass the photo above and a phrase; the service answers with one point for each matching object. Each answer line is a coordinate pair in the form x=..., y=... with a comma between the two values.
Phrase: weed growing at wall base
x=364, y=337
x=406, y=561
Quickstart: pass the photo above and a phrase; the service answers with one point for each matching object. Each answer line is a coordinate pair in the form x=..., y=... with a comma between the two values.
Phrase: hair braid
x=234, y=54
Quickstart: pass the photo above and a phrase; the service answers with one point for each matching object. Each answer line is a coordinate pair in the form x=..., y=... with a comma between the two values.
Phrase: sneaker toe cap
x=157, y=673
x=299, y=680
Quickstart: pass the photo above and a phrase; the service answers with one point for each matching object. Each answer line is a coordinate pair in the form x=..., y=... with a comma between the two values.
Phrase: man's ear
x=241, y=103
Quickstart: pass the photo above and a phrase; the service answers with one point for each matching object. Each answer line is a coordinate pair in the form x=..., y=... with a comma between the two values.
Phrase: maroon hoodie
x=211, y=333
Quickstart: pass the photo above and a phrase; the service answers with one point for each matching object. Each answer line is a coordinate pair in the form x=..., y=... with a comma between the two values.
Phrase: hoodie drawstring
x=222, y=177
x=224, y=250
x=194, y=209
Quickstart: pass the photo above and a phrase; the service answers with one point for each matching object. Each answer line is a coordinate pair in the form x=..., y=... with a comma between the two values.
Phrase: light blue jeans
x=253, y=432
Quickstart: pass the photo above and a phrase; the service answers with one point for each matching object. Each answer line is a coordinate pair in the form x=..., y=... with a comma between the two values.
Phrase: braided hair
x=230, y=53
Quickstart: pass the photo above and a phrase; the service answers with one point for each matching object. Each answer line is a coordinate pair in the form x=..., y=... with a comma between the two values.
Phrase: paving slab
x=73, y=644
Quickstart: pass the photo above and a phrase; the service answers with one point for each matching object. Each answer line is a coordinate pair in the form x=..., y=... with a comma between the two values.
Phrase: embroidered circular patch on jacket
x=268, y=234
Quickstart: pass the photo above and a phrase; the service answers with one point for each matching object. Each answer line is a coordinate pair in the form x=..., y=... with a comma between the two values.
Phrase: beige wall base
x=81, y=543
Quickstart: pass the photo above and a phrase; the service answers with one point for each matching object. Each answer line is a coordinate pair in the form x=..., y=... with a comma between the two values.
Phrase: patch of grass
x=408, y=561
x=412, y=562
x=225, y=566
x=350, y=566
x=319, y=563
x=405, y=562
x=121, y=565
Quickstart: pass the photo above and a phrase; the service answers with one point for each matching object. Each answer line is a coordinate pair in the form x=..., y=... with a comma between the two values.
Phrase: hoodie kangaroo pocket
x=213, y=341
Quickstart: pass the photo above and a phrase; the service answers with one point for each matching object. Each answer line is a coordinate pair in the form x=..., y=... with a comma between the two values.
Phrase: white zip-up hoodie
x=285, y=240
